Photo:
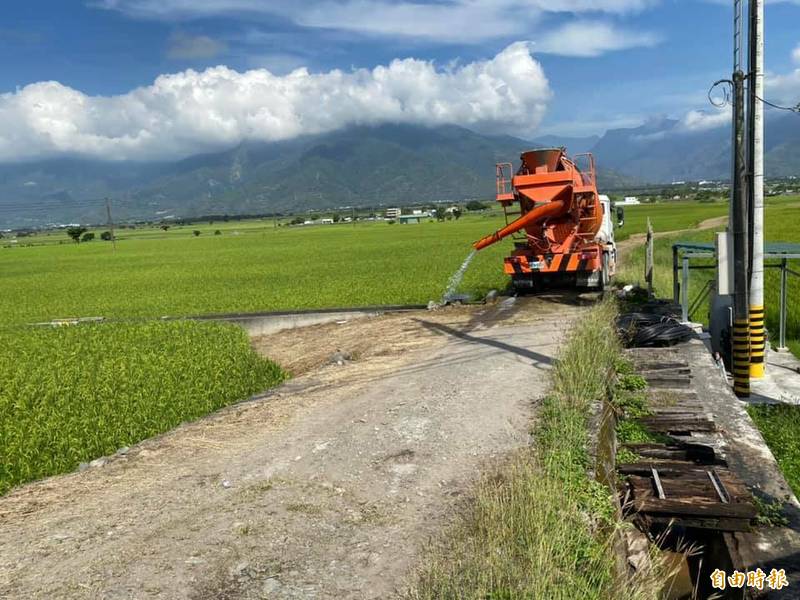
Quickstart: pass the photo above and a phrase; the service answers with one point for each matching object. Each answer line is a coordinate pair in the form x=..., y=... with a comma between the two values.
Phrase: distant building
x=326, y=221
x=416, y=218
x=393, y=213
x=628, y=201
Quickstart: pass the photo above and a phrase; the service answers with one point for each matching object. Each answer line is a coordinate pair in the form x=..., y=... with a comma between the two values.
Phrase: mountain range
x=359, y=166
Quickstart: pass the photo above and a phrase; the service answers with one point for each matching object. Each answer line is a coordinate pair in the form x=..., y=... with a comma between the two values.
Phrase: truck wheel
x=605, y=278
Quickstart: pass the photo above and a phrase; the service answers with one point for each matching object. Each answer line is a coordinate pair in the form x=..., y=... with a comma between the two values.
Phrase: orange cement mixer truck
x=562, y=228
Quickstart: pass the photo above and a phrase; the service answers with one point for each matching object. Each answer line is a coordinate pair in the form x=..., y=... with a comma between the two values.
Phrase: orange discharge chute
x=559, y=205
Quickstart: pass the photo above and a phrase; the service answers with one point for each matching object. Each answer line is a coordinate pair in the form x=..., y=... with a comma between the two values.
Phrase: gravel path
x=327, y=487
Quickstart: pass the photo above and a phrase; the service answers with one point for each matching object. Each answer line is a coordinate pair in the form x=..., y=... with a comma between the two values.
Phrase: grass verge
x=780, y=426
x=540, y=527
x=71, y=394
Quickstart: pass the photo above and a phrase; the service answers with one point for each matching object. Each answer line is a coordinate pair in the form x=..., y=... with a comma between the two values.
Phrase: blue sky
x=604, y=64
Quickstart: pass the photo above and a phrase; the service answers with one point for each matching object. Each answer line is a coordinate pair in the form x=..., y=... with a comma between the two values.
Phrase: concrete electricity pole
x=756, y=167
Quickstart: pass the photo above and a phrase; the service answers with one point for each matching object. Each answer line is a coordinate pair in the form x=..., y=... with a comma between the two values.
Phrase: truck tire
x=605, y=278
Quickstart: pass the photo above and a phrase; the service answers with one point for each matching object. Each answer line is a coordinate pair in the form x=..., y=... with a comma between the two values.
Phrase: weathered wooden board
x=689, y=495
x=696, y=453
x=686, y=422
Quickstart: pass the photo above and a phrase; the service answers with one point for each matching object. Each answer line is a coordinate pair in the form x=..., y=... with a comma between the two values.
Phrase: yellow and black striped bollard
x=758, y=344
x=741, y=357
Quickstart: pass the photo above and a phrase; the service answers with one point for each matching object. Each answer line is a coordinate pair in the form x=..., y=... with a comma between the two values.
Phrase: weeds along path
x=628, y=245
x=328, y=487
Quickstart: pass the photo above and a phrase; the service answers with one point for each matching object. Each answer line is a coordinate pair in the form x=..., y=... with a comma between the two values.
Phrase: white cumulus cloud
x=190, y=112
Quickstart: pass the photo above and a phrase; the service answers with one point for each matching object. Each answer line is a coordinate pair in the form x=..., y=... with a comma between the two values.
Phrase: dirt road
x=327, y=487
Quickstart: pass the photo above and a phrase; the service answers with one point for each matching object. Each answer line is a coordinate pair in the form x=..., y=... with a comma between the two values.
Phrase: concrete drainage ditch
x=699, y=492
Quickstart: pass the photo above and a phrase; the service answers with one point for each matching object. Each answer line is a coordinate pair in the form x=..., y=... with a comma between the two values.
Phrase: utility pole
x=737, y=66
x=111, y=225
x=741, y=321
x=756, y=189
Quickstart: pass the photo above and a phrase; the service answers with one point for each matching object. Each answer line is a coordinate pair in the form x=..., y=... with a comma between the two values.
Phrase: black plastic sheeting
x=642, y=330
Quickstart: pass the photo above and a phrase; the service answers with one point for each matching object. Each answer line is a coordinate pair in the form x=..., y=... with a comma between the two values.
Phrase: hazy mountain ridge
x=361, y=166
x=662, y=151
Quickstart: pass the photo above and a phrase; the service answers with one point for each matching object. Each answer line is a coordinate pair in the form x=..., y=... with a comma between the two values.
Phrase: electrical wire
x=795, y=109
x=726, y=93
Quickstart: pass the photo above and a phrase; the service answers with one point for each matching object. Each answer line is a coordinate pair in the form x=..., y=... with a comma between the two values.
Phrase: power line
x=794, y=109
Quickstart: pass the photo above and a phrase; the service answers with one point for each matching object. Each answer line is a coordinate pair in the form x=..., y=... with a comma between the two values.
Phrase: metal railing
x=680, y=289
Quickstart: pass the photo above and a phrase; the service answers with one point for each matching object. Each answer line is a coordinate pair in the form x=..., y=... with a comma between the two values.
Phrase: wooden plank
x=666, y=469
x=645, y=371
x=666, y=376
x=657, y=482
x=698, y=453
x=719, y=486
x=669, y=383
x=667, y=423
x=695, y=507
x=691, y=496
x=718, y=524
x=649, y=365
x=686, y=479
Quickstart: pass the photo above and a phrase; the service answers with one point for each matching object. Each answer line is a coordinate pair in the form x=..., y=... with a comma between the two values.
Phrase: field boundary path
x=327, y=487
x=626, y=246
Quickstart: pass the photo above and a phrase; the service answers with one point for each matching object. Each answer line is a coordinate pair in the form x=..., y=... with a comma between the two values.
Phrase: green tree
x=440, y=213
x=473, y=205
x=456, y=213
x=87, y=237
x=106, y=236
x=75, y=233
x=196, y=232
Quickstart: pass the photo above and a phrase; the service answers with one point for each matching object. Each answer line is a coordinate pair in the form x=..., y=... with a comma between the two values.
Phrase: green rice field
x=72, y=394
x=244, y=269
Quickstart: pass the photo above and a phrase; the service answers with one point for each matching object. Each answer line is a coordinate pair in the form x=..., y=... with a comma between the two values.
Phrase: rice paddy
x=72, y=394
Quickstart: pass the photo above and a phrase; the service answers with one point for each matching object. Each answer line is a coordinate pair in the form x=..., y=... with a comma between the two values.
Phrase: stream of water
x=455, y=279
